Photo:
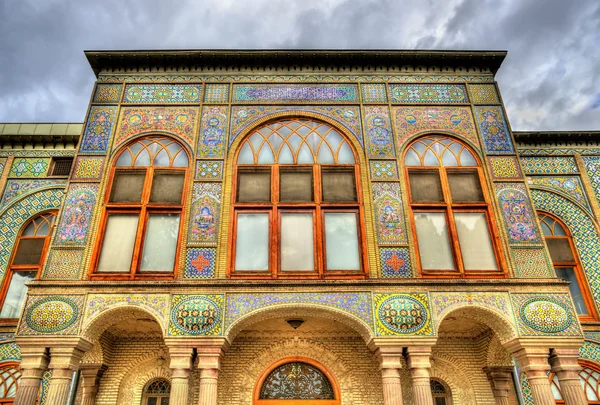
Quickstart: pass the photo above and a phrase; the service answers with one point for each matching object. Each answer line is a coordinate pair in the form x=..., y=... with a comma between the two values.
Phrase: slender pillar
x=64, y=360
x=564, y=363
x=390, y=364
x=181, y=364
x=209, y=363
x=90, y=379
x=534, y=363
x=419, y=363
x=34, y=361
x=501, y=381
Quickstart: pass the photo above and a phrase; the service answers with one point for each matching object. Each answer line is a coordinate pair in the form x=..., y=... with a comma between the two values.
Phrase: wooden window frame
x=143, y=209
x=17, y=366
x=146, y=396
x=53, y=164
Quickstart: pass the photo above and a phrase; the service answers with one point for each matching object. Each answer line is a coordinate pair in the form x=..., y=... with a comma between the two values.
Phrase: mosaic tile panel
x=29, y=167
x=545, y=314
x=590, y=351
x=193, y=315
x=107, y=93
x=156, y=304
x=526, y=390
x=16, y=189
x=585, y=237
x=592, y=168
x=6, y=337
x=569, y=185
x=88, y=168
x=200, y=263
x=402, y=314
x=483, y=94
x=162, y=93
x=517, y=213
x=558, y=152
x=204, y=214
x=243, y=117
x=356, y=304
x=295, y=93
x=378, y=131
x=383, y=170
x=209, y=170
x=549, y=165
x=179, y=121
x=494, y=131
x=17, y=214
x=63, y=264
x=45, y=384
x=216, y=93
x=373, y=93
x=409, y=121
x=532, y=263
x=56, y=315
x=2, y=165
x=592, y=336
x=428, y=93
x=10, y=352
x=37, y=153
x=213, y=132
x=395, y=262
x=389, y=214
x=76, y=216
x=444, y=302
x=504, y=167
x=98, y=129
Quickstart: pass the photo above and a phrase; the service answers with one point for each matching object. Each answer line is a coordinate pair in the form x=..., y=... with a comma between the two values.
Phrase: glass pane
x=425, y=186
x=265, y=156
x=143, y=159
x=167, y=187
x=30, y=230
x=299, y=381
x=164, y=401
x=411, y=158
x=440, y=401
x=475, y=243
x=160, y=243
x=345, y=155
x=546, y=229
x=467, y=159
x=430, y=159
x=181, y=160
x=246, y=155
x=119, y=240
x=252, y=242
x=448, y=158
x=124, y=159
x=341, y=237
x=254, y=185
x=29, y=251
x=465, y=186
x=152, y=401
x=128, y=186
x=434, y=243
x=338, y=184
x=325, y=156
x=162, y=159
x=560, y=249
x=296, y=185
x=297, y=250
x=568, y=274
x=305, y=155
x=15, y=296
x=556, y=392
x=285, y=156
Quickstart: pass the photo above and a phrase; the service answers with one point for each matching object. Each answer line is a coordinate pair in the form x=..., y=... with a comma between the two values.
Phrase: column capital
x=210, y=352
x=565, y=359
x=418, y=357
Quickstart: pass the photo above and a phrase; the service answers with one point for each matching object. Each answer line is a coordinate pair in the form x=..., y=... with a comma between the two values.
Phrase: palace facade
x=298, y=227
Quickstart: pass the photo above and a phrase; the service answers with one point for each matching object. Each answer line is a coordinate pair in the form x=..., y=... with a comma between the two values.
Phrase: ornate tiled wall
x=107, y=93
x=402, y=314
x=545, y=314
x=592, y=168
x=162, y=93
x=212, y=142
x=98, y=130
x=16, y=189
x=54, y=315
x=29, y=167
x=567, y=186
x=289, y=93
x=428, y=93
x=194, y=315
x=494, y=130
x=549, y=165
x=378, y=132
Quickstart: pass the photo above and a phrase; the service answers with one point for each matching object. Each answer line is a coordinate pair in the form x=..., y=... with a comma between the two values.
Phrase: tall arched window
x=440, y=393
x=26, y=262
x=589, y=378
x=451, y=210
x=564, y=258
x=9, y=382
x=157, y=392
x=297, y=203
x=143, y=208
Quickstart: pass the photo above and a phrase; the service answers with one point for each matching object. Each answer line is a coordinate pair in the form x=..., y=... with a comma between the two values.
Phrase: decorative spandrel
x=296, y=380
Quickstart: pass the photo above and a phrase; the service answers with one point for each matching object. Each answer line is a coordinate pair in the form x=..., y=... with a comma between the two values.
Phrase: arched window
x=564, y=258
x=26, y=262
x=144, y=201
x=451, y=210
x=441, y=394
x=9, y=382
x=296, y=204
x=589, y=377
x=157, y=392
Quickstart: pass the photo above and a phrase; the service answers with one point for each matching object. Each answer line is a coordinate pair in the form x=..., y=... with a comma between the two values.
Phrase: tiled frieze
x=156, y=304
x=402, y=314
x=444, y=302
x=590, y=351
x=204, y=213
x=98, y=129
x=504, y=167
x=29, y=167
x=88, y=168
x=428, y=93
x=383, y=170
x=10, y=352
x=389, y=213
x=532, y=262
x=212, y=141
x=43, y=153
x=54, y=315
x=209, y=170
x=16, y=189
x=304, y=93
x=592, y=168
x=75, y=220
x=483, y=94
x=107, y=93
x=63, y=264
x=378, y=131
x=200, y=263
x=216, y=93
x=373, y=93
x=528, y=151
x=2, y=166
x=494, y=131
x=196, y=315
x=517, y=213
x=162, y=93
x=395, y=262
x=568, y=185
x=545, y=315
x=549, y=165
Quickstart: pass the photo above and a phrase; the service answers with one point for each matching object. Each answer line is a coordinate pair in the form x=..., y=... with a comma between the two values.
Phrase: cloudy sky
x=549, y=81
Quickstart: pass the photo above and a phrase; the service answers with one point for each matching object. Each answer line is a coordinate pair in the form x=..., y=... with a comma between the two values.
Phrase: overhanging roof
x=541, y=137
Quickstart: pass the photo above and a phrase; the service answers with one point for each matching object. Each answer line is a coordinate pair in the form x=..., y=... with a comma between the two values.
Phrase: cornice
x=557, y=138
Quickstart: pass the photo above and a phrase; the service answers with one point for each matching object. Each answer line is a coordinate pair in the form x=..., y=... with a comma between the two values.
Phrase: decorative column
x=64, y=360
x=181, y=364
x=34, y=361
x=564, y=362
x=534, y=363
x=390, y=363
x=90, y=379
x=209, y=363
x=419, y=363
x=501, y=381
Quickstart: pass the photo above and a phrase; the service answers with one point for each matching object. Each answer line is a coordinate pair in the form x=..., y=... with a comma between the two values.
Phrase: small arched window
x=565, y=262
x=26, y=262
x=157, y=392
x=451, y=210
x=144, y=201
x=589, y=377
x=9, y=382
x=439, y=392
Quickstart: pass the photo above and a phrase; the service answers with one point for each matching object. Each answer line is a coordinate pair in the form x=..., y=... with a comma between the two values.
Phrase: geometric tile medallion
x=383, y=169
x=200, y=263
x=88, y=168
x=373, y=93
x=57, y=315
x=549, y=165
x=395, y=262
x=63, y=264
x=216, y=93
x=162, y=93
x=545, y=314
x=532, y=263
x=29, y=167
x=194, y=315
x=107, y=93
x=429, y=93
x=402, y=314
x=504, y=167
x=483, y=94
x=209, y=170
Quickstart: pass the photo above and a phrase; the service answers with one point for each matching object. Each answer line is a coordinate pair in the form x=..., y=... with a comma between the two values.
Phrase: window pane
x=475, y=243
x=295, y=185
x=341, y=238
x=465, y=186
x=15, y=296
x=29, y=251
x=167, y=187
x=164, y=401
x=117, y=246
x=160, y=243
x=128, y=186
x=434, y=243
x=254, y=185
x=297, y=242
x=425, y=186
x=440, y=401
x=338, y=185
x=252, y=242
x=152, y=401
x=560, y=250
x=568, y=274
